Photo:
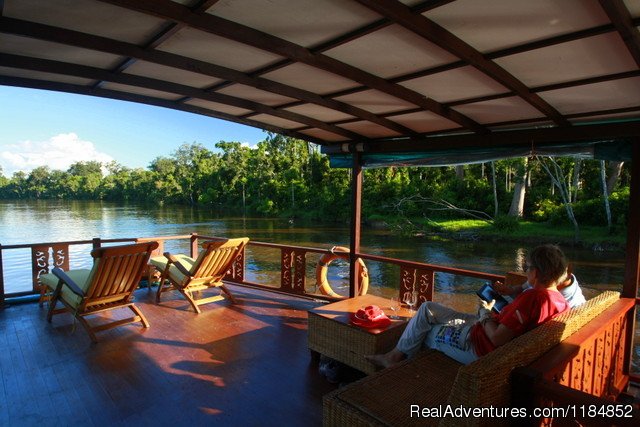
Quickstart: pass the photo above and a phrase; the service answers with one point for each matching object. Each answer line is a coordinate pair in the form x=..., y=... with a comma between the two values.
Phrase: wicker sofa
x=432, y=380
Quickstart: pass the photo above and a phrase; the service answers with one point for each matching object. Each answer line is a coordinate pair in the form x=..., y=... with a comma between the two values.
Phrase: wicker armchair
x=394, y=396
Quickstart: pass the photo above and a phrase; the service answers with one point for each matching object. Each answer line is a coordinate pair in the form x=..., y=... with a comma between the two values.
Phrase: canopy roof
x=376, y=75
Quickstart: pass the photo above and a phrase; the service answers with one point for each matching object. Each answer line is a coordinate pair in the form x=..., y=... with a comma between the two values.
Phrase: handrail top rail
x=434, y=267
x=411, y=264
x=68, y=242
x=101, y=240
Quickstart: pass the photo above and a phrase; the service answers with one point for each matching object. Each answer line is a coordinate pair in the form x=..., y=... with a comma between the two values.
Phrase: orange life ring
x=323, y=266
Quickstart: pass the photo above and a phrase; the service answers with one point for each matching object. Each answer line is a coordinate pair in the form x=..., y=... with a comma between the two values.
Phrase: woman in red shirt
x=465, y=337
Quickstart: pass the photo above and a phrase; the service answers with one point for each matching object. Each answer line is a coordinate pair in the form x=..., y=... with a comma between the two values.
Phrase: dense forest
x=290, y=177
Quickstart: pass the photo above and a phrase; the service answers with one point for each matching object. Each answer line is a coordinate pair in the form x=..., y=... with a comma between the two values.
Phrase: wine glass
x=411, y=299
x=395, y=307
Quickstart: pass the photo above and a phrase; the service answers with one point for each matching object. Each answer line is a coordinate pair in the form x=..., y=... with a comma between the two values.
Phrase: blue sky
x=56, y=129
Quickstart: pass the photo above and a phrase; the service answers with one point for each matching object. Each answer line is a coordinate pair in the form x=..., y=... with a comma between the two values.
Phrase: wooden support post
x=96, y=243
x=632, y=263
x=1, y=280
x=356, y=213
x=194, y=245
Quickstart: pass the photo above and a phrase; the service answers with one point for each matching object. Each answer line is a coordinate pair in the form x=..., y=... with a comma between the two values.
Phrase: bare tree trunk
x=615, y=169
x=576, y=181
x=559, y=181
x=605, y=194
x=495, y=190
x=517, y=202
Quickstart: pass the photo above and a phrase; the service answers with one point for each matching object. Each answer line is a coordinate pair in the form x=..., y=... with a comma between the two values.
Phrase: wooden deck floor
x=239, y=365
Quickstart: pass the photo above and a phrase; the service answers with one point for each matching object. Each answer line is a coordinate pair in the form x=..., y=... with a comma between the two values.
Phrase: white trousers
x=441, y=328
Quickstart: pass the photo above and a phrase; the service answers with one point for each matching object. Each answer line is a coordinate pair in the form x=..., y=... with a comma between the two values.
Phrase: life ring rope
x=323, y=266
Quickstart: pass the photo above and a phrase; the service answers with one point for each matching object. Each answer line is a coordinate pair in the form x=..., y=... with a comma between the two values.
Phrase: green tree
x=38, y=182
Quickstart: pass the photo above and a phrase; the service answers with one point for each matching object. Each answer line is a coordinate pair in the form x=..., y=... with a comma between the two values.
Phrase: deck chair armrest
x=60, y=274
x=173, y=260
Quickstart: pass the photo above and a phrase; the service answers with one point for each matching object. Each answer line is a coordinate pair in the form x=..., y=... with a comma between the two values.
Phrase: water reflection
x=40, y=221
x=47, y=221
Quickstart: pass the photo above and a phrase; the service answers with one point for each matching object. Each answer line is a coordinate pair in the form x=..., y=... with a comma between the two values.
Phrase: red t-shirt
x=531, y=308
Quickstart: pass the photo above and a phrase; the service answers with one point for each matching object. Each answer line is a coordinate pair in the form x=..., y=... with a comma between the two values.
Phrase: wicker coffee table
x=331, y=333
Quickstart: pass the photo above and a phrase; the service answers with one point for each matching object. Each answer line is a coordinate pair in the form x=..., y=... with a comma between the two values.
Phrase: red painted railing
x=295, y=263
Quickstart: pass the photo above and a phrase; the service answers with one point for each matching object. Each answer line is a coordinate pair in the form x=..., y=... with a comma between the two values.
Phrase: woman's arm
x=497, y=333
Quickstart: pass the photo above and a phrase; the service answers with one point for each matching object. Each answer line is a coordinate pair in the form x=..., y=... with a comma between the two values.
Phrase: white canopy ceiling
x=343, y=71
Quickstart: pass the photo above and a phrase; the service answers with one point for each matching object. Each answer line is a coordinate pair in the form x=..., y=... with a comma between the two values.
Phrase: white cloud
x=249, y=146
x=59, y=152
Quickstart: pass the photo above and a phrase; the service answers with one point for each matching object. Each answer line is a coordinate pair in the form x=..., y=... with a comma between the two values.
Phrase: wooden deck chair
x=108, y=285
x=188, y=275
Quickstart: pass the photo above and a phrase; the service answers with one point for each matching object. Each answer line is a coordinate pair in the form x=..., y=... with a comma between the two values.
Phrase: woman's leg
x=413, y=338
x=429, y=315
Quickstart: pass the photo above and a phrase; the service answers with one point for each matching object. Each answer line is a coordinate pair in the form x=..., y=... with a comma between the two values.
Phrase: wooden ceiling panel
x=335, y=70
x=309, y=78
x=424, y=122
x=87, y=16
x=369, y=130
x=390, y=52
x=257, y=95
x=499, y=110
x=319, y=113
x=498, y=24
x=375, y=101
x=215, y=106
x=579, y=59
x=141, y=91
x=207, y=47
x=26, y=46
x=322, y=135
x=596, y=97
x=171, y=74
x=38, y=75
x=303, y=22
x=453, y=85
x=276, y=121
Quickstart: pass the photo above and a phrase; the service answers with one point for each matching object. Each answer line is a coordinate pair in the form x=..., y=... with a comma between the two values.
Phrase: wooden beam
x=510, y=138
x=622, y=20
x=347, y=37
x=443, y=38
x=356, y=219
x=538, y=44
x=133, y=53
x=35, y=64
x=141, y=99
x=632, y=264
x=169, y=10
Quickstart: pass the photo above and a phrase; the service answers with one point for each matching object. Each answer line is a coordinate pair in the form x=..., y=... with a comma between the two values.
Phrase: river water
x=48, y=221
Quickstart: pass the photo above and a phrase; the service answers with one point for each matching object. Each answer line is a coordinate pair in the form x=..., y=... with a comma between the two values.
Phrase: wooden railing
x=294, y=262
x=581, y=378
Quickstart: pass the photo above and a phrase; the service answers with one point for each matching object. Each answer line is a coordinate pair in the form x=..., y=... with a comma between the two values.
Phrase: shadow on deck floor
x=246, y=364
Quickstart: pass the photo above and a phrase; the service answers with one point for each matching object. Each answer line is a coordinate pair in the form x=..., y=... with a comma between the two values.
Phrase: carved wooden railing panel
x=236, y=271
x=293, y=270
x=598, y=365
x=417, y=280
x=587, y=366
x=43, y=259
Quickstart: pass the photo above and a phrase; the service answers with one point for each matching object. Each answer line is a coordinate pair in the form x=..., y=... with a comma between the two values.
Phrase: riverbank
x=594, y=238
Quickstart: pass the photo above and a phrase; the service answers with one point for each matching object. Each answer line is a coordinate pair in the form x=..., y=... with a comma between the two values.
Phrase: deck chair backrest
x=117, y=271
x=216, y=258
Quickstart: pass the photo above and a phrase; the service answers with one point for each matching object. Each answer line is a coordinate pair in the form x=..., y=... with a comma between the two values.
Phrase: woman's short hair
x=549, y=262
